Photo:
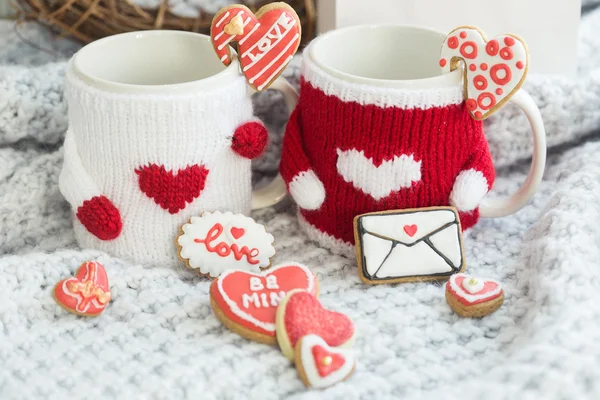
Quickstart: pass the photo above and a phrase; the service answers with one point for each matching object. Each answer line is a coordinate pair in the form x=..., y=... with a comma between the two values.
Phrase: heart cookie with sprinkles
x=494, y=69
x=320, y=365
x=266, y=42
x=300, y=314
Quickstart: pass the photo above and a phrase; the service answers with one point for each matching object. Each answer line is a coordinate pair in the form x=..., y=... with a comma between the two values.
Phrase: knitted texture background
x=159, y=338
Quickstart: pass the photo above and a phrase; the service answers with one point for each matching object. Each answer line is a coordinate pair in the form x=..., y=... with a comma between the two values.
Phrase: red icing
x=87, y=293
x=492, y=47
x=172, y=191
x=471, y=104
x=326, y=362
x=478, y=114
x=483, y=66
x=442, y=62
x=266, y=44
x=487, y=288
x=509, y=41
x=480, y=82
x=237, y=232
x=506, y=53
x=472, y=67
x=481, y=100
x=410, y=230
x=469, y=49
x=507, y=74
x=499, y=91
x=520, y=64
x=100, y=217
x=453, y=42
x=463, y=34
x=250, y=140
x=236, y=284
x=223, y=249
x=305, y=315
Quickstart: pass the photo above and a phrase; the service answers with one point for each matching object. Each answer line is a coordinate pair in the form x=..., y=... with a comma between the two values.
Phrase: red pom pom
x=250, y=140
x=100, y=217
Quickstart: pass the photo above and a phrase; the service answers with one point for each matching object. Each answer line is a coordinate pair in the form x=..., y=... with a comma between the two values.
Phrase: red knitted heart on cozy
x=172, y=191
x=305, y=315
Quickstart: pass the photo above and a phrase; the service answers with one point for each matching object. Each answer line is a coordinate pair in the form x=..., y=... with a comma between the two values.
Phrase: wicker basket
x=88, y=20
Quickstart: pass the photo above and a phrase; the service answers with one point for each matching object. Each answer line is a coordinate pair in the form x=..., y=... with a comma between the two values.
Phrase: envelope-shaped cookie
x=409, y=245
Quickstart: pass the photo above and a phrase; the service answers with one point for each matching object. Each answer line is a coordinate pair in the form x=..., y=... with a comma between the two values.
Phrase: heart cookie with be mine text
x=266, y=42
x=494, y=70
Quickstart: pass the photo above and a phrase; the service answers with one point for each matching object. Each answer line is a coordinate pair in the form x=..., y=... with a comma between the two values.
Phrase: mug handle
x=276, y=190
x=509, y=205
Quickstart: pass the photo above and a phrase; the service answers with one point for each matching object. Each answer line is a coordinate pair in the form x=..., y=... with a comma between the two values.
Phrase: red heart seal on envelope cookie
x=87, y=293
x=266, y=41
x=301, y=314
x=246, y=302
x=494, y=70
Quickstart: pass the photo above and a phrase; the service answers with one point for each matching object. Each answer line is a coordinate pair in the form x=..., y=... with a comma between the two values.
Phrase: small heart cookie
x=320, y=365
x=266, y=42
x=246, y=303
x=301, y=314
x=494, y=70
x=473, y=297
x=87, y=293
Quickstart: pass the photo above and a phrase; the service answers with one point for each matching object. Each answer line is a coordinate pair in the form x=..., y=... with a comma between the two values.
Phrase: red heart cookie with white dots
x=87, y=293
x=266, y=42
x=320, y=365
x=301, y=314
x=494, y=69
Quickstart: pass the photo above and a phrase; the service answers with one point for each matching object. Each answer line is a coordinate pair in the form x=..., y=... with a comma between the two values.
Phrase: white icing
x=256, y=284
x=272, y=282
x=309, y=363
x=378, y=182
x=408, y=258
x=254, y=244
x=519, y=54
x=472, y=297
x=472, y=285
x=247, y=299
x=268, y=326
x=392, y=225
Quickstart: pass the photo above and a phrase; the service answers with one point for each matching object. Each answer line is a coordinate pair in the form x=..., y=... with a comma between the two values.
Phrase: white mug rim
x=228, y=74
x=450, y=79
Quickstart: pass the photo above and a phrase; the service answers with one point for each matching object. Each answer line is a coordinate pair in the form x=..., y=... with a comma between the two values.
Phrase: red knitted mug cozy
x=351, y=149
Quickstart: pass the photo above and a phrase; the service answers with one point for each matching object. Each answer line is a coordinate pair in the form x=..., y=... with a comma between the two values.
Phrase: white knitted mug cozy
x=159, y=131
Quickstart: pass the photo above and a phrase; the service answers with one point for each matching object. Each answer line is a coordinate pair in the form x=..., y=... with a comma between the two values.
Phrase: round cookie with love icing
x=219, y=241
x=266, y=41
x=493, y=70
x=320, y=365
x=300, y=314
x=246, y=303
x=473, y=297
x=87, y=293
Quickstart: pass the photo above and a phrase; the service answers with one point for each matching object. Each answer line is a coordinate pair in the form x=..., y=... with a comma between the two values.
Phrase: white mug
x=154, y=138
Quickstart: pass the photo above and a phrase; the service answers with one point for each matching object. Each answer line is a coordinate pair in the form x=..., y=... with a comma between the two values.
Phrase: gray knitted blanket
x=158, y=339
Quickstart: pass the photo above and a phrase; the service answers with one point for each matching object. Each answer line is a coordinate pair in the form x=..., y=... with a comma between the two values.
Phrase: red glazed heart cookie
x=320, y=365
x=85, y=294
x=301, y=314
x=494, y=70
x=266, y=41
x=246, y=303
x=473, y=297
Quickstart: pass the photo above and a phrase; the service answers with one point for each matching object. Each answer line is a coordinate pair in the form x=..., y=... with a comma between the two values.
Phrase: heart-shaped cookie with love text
x=300, y=314
x=87, y=293
x=246, y=302
x=473, y=297
x=266, y=42
x=320, y=365
x=494, y=70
